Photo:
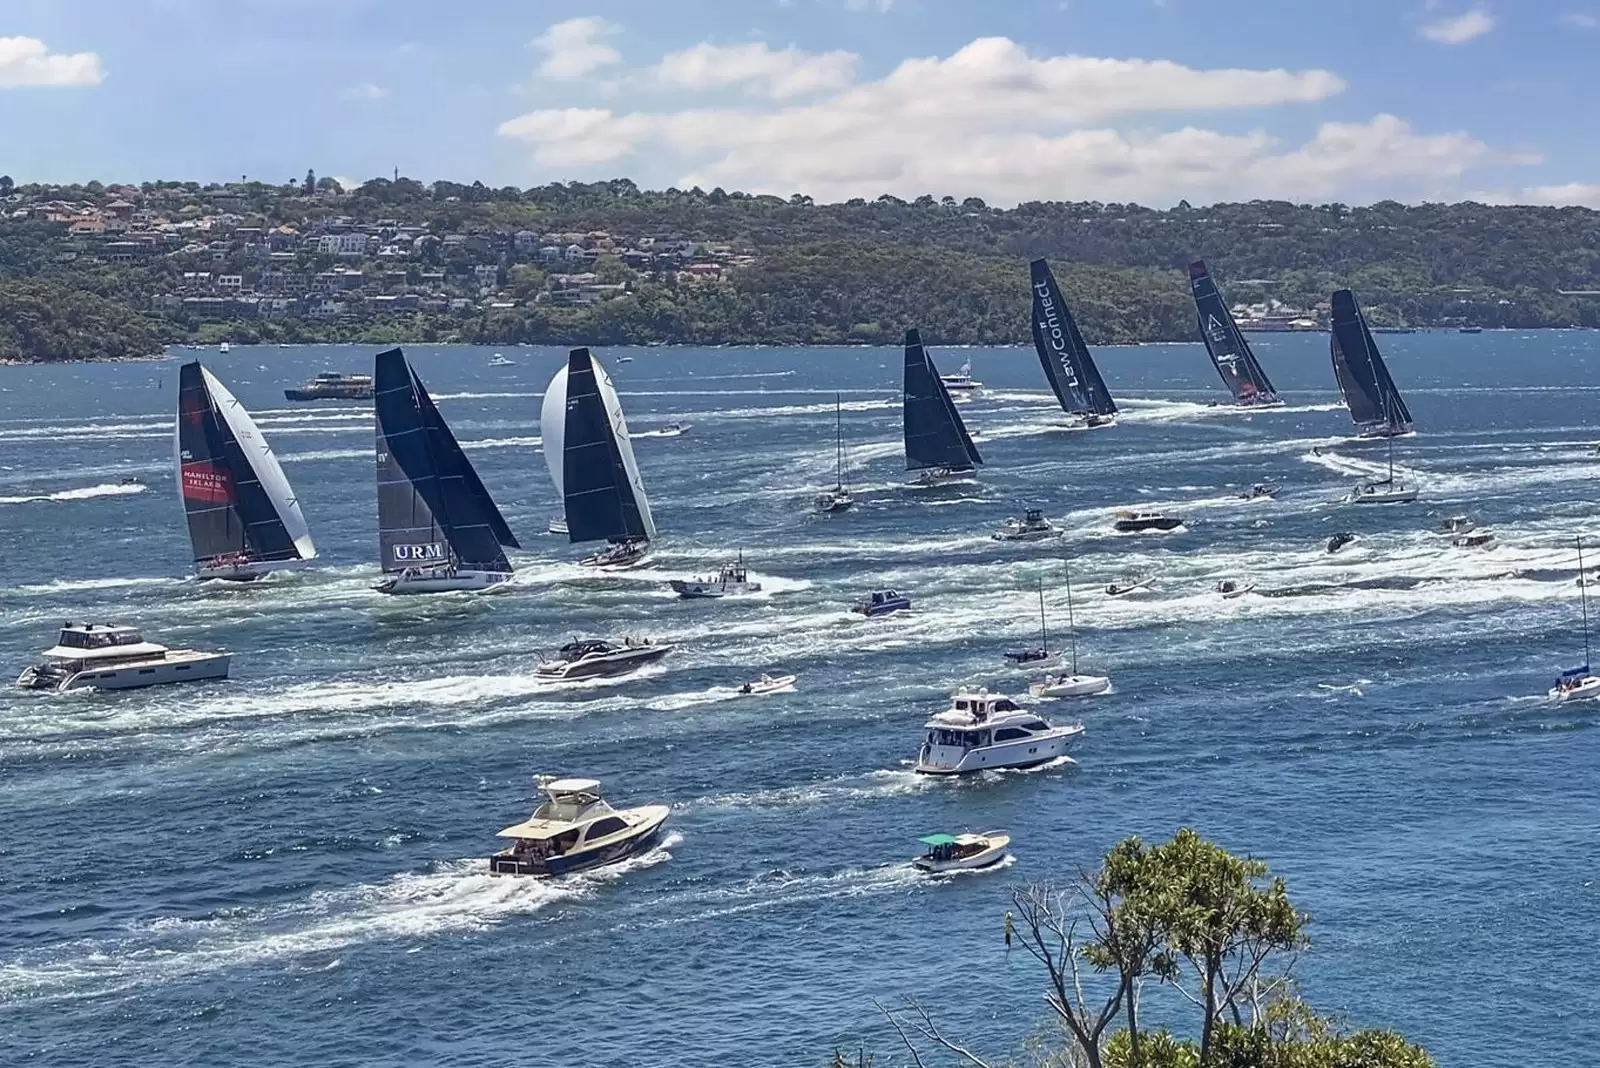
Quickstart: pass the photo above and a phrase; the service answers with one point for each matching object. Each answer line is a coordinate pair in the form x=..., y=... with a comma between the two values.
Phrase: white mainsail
x=265, y=465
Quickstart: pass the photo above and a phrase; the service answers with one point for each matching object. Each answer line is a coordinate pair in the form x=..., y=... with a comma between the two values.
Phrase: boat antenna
x=1072, y=628
x=1583, y=597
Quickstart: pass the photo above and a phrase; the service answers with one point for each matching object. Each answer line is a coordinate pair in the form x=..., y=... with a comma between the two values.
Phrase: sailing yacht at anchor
x=1073, y=684
x=1579, y=683
x=244, y=520
x=1070, y=369
x=1042, y=656
x=936, y=440
x=839, y=498
x=590, y=456
x=438, y=528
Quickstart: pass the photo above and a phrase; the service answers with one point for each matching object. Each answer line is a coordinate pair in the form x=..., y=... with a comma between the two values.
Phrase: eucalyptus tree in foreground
x=1183, y=916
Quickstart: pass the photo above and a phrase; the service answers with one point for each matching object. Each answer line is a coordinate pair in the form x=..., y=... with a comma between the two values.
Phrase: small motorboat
x=881, y=603
x=574, y=830
x=593, y=658
x=1070, y=686
x=1128, y=587
x=768, y=684
x=558, y=525
x=732, y=581
x=106, y=656
x=132, y=480
x=1340, y=540
x=501, y=361
x=1128, y=522
x=672, y=430
x=626, y=359
x=962, y=384
x=962, y=852
x=619, y=555
x=1481, y=539
x=1231, y=589
x=1260, y=491
x=981, y=731
x=1033, y=526
x=1456, y=524
x=225, y=348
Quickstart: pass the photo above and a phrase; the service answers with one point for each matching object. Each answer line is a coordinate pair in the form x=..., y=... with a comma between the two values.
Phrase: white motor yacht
x=981, y=731
x=441, y=578
x=1478, y=539
x=1070, y=686
x=962, y=852
x=500, y=361
x=732, y=581
x=1456, y=524
x=768, y=684
x=575, y=829
x=558, y=525
x=1033, y=526
x=103, y=656
x=619, y=555
x=591, y=658
x=961, y=385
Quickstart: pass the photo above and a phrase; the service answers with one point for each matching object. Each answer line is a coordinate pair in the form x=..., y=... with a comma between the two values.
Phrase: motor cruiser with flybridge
x=1579, y=683
x=732, y=581
x=1033, y=526
x=962, y=852
x=574, y=829
x=839, y=498
x=936, y=440
x=981, y=731
x=593, y=658
x=104, y=656
x=961, y=385
x=1068, y=366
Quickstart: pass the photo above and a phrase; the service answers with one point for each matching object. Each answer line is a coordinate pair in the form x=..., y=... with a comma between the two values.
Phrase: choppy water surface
x=286, y=868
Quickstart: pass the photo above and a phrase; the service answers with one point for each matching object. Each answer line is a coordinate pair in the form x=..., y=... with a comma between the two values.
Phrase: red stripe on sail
x=207, y=484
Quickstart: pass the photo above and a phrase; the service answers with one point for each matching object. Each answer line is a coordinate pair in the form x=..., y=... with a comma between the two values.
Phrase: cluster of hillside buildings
x=220, y=262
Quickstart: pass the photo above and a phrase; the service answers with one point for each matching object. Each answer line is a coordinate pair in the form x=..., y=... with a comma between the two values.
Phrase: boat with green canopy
x=962, y=852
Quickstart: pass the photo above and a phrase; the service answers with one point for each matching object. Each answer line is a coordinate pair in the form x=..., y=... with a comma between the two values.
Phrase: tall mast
x=1072, y=628
x=838, y=447
x=1044, y=640
x=1583, y=596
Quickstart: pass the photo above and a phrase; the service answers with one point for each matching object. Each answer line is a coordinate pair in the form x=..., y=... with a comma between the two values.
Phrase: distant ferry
x=333, y=385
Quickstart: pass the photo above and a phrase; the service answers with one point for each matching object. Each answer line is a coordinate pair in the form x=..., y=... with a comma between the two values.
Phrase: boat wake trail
x=81, y=493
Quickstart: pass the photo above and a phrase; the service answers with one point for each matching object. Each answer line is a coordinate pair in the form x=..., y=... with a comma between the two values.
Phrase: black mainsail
x=432, y=507
x=591, y=457
x=935, y=435
x=1230, y=353
x=1062, y=351
x=242, y=514
x=1369, y=390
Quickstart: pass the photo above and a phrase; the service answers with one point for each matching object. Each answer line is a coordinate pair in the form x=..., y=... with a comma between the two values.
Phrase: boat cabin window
x=1036, y=725
x=98, y=639
x=961, y=739
x=1009, y=734
x=600, y=828
x=1005, y=704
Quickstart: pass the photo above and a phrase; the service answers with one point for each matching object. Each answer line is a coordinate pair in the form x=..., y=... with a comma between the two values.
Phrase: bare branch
x=930, y=1030
x=894, y=1022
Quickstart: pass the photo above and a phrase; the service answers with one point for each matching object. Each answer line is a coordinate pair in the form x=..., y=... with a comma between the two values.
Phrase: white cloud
x=1580, y=20
x=1570, y=194
x=869, y=5
x=574, y=48
x=780, y=75
x=366, y=91
x=1458, y=29
x=993, y=121
x=25, y=61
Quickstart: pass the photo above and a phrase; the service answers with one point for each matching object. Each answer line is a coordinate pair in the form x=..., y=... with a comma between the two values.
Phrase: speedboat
x=1383, y=491
x=619, y=555
x=132, y=480
x=1576, y=685
x=1070, y=686
x=106, y=656
x=1131, y=521
x=834, y=500
x=1340, y=540
x=501, y=361
x=1033, y=526
x=1231, y=589
x=768, y=684
x=981, y=731
x=962, y=852
x=732, y=581
x=1260, y=491
x=881, y=603
x=1482, y=539
x=593, y=658
x=672, y=430
x=1127, y=587
x=1456, y=524
x=574, y=829
x=558, y=525
x=441, y=578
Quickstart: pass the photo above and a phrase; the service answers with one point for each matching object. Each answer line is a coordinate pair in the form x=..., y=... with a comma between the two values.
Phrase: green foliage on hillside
x=46, y=321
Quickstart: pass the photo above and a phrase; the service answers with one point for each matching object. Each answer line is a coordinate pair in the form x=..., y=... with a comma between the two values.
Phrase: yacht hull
x=468, y=581
x=618, y=664
x=704, y=591
x=180, y=666
x=1587, y=690
x=244, y=572
x=1071, y=686
x=1024, y=753
x=645, y=837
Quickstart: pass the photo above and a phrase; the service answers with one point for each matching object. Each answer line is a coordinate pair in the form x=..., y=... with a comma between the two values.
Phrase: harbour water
x=287, y=868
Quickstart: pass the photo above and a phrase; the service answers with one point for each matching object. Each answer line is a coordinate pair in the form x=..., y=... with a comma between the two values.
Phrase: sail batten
x=935, y=436
x=1068, y=366
x=1369, y=390
x=432, y=506
x=591, y=456
x=1230, y=352
x=237, y=501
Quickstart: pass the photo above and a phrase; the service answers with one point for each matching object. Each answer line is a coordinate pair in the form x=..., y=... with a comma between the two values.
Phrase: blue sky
x=1148, y=100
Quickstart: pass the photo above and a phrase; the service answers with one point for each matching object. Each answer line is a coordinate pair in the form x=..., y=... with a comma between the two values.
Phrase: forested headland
x=99, y=271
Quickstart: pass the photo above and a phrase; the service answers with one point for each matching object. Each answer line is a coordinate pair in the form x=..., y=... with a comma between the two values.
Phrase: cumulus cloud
x=1569, y=194
x=576, y=47
x=1458, y=29
x=1580, y=20
x=25, y=61
x=780, y=75
x=366, y=91
x=992, y=120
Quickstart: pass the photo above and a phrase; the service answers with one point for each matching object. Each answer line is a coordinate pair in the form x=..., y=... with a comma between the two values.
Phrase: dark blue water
x=286, y=868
